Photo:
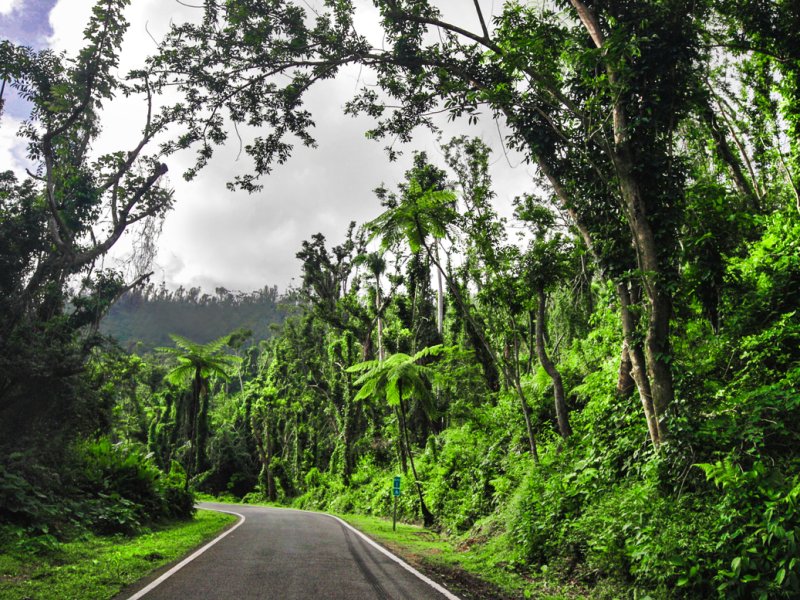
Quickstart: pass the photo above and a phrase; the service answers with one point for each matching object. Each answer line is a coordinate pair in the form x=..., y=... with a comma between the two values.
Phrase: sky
x=217, y=238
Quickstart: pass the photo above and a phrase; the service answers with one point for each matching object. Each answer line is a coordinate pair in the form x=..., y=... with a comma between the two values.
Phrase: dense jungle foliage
x=610, y=398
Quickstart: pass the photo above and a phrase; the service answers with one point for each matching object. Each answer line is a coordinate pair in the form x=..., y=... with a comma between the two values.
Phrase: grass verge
x=472, y=571
x=95, y=567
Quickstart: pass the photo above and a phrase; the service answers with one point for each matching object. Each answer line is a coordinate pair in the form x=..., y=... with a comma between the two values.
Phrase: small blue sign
x=396, y=488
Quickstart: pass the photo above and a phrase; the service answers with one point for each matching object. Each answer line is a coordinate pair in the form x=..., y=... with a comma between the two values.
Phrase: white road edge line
x=445, y=592
x=189, y=559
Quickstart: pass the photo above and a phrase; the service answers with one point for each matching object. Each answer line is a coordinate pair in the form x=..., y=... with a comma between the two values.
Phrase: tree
x=397, y=380
x=421, y=213
x=543, y=266
x=593, y=95
x=326, y=276
x=763, y=41
x=58, y=221
x=503, y=299
x=197, y=363
x=376, y=266
x=263, y=428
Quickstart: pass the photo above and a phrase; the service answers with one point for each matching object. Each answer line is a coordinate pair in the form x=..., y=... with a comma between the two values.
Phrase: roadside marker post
x=395, y=493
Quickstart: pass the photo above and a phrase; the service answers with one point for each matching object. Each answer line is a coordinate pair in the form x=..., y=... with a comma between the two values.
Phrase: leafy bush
x=22, y=501
x=107, y=488
x=758, y=520
x=134, y=487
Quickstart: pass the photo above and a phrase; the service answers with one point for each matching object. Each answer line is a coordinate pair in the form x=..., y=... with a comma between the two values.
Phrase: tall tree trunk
x=427, y=516
x=726, y=154
x=272, y=495
x=346, y=353
x=657, y=347
x=644, y=239
x=562, y=414
x=638, y=370
x=401, y=445
x=202, y=431
x=191, y=433
x=531, y=342
x=347, y=467
x=513, y=370
x=439, y=294
x=264, y=447
x=632, y=347
x=659, y=300
x=462, y=304
x=378, y=307
x=625, y=382
x=526, y=413
x=347, y=429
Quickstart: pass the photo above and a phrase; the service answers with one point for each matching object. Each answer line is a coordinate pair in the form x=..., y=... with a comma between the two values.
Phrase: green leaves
x=397, y=378
x=760, y=519
x=199, y=360
x=423, y=210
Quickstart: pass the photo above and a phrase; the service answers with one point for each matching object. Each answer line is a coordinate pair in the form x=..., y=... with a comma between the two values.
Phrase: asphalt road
x=284, y=554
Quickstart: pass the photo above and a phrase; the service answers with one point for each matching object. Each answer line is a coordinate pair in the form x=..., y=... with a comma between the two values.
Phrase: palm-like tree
x=397, y=380
x=197, y=363
x=420, y=217
x=376, y=266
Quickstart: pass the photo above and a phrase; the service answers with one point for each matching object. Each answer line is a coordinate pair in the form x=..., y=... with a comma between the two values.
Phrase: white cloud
x=214, y=237
x=12, y=148
x=9, y=6
x=68, y=19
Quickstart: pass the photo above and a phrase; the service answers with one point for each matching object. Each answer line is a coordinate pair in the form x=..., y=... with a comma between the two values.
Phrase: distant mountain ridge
x=143, y=318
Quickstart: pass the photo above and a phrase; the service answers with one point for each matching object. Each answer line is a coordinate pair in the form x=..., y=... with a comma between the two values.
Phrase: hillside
x=143, y=319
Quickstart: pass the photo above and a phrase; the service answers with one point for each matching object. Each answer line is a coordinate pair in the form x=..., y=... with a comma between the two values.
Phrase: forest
x=143, y=317
x=608, y=401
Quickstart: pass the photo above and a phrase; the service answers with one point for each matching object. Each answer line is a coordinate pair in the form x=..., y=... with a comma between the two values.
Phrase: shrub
x=107, y=488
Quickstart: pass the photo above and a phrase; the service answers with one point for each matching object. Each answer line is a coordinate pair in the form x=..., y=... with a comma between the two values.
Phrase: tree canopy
x=606, y=403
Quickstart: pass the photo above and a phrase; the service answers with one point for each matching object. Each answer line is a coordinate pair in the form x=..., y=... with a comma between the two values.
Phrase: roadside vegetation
x=606, y=403
x=473, y=571
x=97, y=567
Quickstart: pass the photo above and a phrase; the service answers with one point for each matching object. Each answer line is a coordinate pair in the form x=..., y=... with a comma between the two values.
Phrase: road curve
x=285, y=554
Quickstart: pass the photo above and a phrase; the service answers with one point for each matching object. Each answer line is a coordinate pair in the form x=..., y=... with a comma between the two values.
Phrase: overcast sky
x=214, y=237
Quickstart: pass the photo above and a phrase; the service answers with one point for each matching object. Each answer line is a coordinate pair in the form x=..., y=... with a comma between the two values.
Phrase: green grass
x=96, y=567
x=461, y=563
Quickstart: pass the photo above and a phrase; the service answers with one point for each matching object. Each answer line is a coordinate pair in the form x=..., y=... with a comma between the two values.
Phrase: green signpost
x=395, y=493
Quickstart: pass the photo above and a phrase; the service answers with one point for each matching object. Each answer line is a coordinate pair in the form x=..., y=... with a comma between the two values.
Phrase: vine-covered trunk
x=625, y=382
x=265, y=449
x=650, y=264
x=202, y=431
x=378, y=307
x=427, y=516
x=348, y=435
x=439, y=293
x=638, y=370
x=526, y=413
x=191, y=423
x=272, y=496
x=624, y=160
x=658, y=351
x=562, y=414
x=659, y=301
